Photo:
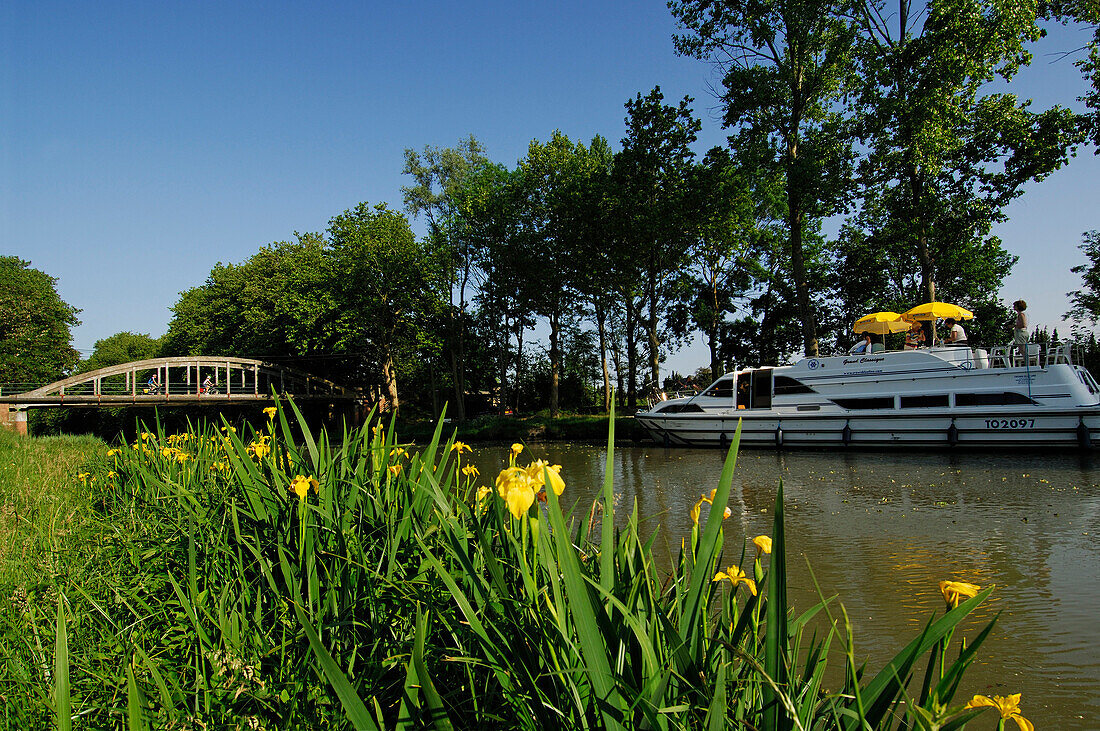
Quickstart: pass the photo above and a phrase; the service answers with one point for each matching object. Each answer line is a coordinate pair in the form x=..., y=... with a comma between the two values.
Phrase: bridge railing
x=14, y=389
x=190, y=376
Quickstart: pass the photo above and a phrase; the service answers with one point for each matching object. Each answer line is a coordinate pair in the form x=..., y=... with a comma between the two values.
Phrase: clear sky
x=141, y=143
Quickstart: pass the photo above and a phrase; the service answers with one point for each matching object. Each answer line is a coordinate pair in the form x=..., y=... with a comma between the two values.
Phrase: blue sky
x=141, y=143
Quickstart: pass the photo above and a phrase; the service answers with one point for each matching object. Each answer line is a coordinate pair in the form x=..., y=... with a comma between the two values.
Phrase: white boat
x=930, y=397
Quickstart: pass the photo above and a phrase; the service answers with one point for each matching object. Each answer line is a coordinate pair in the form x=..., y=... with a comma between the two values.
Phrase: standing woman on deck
x=1019, y=333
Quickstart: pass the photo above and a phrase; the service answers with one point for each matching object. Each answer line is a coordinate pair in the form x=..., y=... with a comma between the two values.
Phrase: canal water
x=881, y=530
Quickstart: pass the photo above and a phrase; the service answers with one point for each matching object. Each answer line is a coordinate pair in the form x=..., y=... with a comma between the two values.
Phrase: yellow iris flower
x=516, y=449
x=737, y=576
x=514, y=485
x=271, y=411
x=301, y=485
x=461, y=447
x=470, y=471
x=697, y=509
x=1007, y=706
x=535, y=474
x=763, y=544
x=482, y=492
x=113, y=452
x=955, y=591
x=394, y=469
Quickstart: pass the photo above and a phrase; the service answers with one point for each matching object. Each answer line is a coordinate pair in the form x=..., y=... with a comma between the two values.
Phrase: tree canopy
x=35, y=325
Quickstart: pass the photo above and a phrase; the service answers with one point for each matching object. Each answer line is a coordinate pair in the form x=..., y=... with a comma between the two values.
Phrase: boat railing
x=1035, y=355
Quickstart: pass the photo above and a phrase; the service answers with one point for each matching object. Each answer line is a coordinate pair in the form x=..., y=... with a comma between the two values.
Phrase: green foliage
x=945, y=155
x=652, y=179
x=1085, y=302
x=35, y=325
x=277, y=579
x=347, y=306
x=278, y=302
x=123, y=347
x=786, y=65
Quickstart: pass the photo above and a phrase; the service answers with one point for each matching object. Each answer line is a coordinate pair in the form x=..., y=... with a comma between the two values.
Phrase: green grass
x=282, y=579
x=41, y=501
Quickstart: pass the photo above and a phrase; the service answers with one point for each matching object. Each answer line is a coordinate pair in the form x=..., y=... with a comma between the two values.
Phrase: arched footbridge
x=192, y=380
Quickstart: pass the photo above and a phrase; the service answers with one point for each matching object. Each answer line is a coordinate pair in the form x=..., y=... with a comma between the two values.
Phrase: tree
x=1086, y=12
x=386, y=283
x=551, y=211
x=651, y=175
x=786, y=64
x=717, y=274
x=123, y=347
x=439, y=174
x=280, y=302
x=1086, y=301
x=35, y=325
x=488, y=203
x=944, y=160
x=596, y=234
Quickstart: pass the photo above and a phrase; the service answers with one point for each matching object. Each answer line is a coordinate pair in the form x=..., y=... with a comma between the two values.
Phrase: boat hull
x=1023, y=427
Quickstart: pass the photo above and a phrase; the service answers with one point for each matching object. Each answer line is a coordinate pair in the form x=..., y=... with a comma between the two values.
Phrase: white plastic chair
x=1060, y=354
x=1032, y=358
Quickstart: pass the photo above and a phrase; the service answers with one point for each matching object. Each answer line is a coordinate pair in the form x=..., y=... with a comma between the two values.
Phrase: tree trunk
x=555, y=362
x=519, y=363
x=601, y=329
x=651, y=332
x=631, y=356
x=502, y=365
x=798, y=270
x=456, y=368
x=389, y=377
x=715, y=319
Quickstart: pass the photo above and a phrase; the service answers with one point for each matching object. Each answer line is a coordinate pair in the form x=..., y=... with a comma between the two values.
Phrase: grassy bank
x=277, y=579
x=42, y=501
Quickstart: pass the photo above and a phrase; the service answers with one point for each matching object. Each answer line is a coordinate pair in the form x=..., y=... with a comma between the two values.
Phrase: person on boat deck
x=914, y=338
x=863, y=346
x=955, y=333
x=1019, y=333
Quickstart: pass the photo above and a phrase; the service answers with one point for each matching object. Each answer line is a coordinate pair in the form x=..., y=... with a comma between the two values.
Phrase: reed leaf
x=591, y=642
x=61, y=698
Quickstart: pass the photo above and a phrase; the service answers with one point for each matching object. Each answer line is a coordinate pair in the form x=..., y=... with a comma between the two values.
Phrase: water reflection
x=882, y=529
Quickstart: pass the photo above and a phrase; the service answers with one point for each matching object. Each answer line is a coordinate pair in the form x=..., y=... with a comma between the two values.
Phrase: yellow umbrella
x=938, y=311
x=880, y=323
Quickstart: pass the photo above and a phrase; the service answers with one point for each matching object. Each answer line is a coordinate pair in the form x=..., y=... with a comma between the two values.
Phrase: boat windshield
x=722, y=388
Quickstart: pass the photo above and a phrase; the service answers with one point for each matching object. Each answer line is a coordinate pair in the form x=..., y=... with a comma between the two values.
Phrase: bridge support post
x=13, y=419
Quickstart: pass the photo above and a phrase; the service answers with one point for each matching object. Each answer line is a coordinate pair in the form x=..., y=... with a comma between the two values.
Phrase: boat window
x=743, y=391
x=1007, y=398
x=785, y=385
x=679, y=409
x=762, y=389
x=722, y=388
x=876, y=402
x=919, y=402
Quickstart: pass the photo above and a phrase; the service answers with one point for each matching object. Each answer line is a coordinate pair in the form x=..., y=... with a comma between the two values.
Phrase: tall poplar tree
x=946, y=154
x=438, y=175
x=652, y=174
x=785, y=65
